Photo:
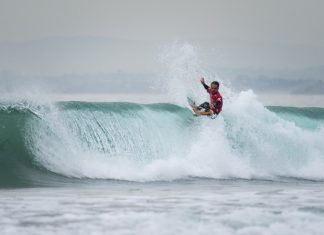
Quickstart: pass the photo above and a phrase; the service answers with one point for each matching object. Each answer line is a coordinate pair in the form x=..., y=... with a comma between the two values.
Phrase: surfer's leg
x=195, y=110
x=204, y=106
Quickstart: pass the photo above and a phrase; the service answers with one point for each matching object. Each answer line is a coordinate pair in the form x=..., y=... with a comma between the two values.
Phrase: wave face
x=66, y=141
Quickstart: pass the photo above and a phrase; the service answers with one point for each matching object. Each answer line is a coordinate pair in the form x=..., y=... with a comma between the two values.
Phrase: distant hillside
x=302, y=81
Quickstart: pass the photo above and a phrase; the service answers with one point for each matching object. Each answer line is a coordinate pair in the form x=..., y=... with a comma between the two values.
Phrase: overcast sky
x=283, y=21
x=62, y=35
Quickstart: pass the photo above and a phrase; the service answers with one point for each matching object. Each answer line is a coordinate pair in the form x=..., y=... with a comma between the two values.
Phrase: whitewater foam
x=164, y=142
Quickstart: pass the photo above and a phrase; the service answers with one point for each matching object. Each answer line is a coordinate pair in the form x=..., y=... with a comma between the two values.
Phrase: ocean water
x=130, y=168
x=127, y=168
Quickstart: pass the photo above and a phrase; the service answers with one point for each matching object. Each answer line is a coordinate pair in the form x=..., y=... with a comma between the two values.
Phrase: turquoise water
x=125, y=168
x=66, y=141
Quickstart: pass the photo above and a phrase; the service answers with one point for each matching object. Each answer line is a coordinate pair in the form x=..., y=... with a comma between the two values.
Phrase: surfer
x=214, y=107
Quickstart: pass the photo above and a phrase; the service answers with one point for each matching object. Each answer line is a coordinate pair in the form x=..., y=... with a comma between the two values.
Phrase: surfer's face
x=214, y=88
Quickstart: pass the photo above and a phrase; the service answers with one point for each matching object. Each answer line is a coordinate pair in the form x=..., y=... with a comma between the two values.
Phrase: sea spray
x=182, y=69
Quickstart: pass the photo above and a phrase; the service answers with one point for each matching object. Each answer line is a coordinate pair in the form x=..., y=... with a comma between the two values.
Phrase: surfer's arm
x=202, y=80
x=206, y=113
x=205, y=86
x=196, y=111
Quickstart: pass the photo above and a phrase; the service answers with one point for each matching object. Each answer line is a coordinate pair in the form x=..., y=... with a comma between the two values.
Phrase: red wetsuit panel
x=216, y=101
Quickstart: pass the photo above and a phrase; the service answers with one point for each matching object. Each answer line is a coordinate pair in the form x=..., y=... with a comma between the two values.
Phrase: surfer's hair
x=215, y=83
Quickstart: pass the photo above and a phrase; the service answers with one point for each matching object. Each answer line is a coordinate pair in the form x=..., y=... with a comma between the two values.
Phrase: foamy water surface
x=187, y=207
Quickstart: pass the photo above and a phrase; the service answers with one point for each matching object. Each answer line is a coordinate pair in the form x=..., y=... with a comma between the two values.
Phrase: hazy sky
x=289, y=21
x=249, y=33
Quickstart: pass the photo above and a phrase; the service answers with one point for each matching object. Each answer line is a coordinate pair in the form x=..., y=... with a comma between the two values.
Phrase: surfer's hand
x=202, y=80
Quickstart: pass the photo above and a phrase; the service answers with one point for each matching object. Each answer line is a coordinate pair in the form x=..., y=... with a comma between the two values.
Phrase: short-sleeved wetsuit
x=216, y=100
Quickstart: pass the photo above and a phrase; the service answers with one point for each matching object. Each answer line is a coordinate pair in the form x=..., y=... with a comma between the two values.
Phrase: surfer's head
x=214, y=87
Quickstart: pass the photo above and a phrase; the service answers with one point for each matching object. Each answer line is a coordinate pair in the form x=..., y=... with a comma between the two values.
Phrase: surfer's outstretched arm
x=202, y=80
